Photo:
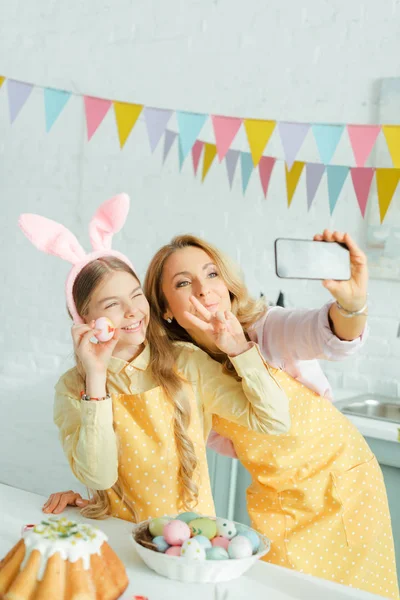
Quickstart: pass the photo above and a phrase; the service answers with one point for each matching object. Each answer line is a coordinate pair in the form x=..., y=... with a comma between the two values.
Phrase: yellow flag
x=2, y=80
x=126, y=115
x=392, y=136
x=386, y=183
x=210, y=150
x=258, y=134
x=292, y=178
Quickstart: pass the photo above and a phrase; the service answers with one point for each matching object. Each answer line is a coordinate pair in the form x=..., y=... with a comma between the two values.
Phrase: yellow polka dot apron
x=148, y=460
x=318, y=494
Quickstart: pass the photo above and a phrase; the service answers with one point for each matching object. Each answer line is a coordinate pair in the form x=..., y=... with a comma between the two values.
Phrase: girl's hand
x=222, y=329
x=59, y=501
x=351, y=294
x=94, y=357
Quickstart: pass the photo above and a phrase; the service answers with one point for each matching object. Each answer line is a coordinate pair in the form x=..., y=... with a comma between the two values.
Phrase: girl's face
x=192, y=272
x=120, y=298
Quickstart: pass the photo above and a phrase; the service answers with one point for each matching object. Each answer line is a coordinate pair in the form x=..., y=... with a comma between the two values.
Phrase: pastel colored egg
x=176, y=532
x=216, y=553
x=203, y=541
x=161, y=543
x=253, y=537
x=173, y=551
x=106, y=327
x=220, y=542
x=193, y=550
x=156, y=526
x=203, y=526
x=240, y=547
x=240, y=528
x=187, y=517
x=226, y=528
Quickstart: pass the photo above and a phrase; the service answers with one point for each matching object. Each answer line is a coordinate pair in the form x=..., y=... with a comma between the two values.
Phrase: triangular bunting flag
x=265, y=167
x=95, y=111
x=336, y=177
x=156, y=120
x=18, y=94
x=225, y=130
x=292, y=137
x=362, y=139
x=180, y=155
x=392, y=136
x=231, y=160
x=314, y=173
x=210, y=151
x=258, y=134
x=2, y=80
x=196, y=153
x=246, y=163
x=54, y=102
x=327, y=138
x=168, y=141
x=362, y=179
x=189, y=125
x=126, y=115
x=386, y=183
x=292, y=179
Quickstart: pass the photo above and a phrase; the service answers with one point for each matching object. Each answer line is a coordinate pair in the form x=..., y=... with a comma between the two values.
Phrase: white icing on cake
x=72, y=540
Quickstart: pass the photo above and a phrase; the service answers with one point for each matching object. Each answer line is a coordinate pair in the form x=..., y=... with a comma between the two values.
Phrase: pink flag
x=362, y=139
x=265, y=167
x=196, y=153
x=95, y=110
x=225, y=129
x=362, y=179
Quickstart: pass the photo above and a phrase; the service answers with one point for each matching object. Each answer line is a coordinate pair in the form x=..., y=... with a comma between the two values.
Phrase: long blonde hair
x=163, y=372
x=246, y=309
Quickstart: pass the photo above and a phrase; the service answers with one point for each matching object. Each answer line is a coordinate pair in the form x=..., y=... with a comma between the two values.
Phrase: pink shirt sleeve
x=301, y=334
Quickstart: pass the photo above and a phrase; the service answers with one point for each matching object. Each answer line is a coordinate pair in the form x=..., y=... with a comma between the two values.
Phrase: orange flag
x=292, y=178
x=126, y=115
x=386, y=183
x=258, y=134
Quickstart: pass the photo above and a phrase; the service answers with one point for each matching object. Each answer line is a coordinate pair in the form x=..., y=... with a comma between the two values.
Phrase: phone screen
x=306, y=259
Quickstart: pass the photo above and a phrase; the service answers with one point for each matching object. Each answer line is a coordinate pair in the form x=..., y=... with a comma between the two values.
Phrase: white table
x=262, y=582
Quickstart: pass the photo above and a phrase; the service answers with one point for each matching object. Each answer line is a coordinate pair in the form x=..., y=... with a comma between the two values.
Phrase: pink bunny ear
x=109, y=219
x=51, y=237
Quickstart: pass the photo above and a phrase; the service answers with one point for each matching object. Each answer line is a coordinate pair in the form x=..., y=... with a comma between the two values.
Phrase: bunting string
x=258, y=132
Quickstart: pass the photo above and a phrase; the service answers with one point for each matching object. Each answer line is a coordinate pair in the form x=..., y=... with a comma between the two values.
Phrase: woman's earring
x=169, y=320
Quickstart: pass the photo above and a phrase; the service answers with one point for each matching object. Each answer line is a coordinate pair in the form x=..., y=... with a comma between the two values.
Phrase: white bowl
x=187, y=570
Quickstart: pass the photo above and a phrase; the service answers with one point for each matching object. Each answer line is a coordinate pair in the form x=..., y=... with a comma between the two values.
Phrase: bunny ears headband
x=53, y=238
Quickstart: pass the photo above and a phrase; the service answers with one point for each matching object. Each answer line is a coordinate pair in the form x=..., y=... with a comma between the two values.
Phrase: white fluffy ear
x=108, y=219
x=51, y=237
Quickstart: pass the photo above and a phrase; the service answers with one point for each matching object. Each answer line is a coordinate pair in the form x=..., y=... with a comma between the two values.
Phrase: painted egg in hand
x=106, y=329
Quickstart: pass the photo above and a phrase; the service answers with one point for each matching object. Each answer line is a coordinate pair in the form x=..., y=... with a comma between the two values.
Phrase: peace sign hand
x=221, y=329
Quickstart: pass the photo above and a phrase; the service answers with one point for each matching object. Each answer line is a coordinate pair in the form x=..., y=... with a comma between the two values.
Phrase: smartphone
x=306, y=259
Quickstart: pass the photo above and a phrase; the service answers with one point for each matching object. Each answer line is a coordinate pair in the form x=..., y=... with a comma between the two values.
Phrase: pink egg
x=107, y=329
x=220, y=541
x=173, y=551
x=176, y=532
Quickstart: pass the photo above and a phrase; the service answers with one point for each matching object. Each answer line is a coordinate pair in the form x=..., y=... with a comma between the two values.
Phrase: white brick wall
x=317, y=61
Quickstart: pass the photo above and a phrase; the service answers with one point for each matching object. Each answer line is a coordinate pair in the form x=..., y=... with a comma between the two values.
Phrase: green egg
x=156, y=526
x=216, y=553
x=203, y=526
x=186, y=517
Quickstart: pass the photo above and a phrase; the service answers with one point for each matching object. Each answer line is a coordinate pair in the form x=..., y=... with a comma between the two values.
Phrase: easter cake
x=62, y=559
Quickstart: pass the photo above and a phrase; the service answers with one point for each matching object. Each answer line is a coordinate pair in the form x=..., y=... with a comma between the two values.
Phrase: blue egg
x=203, y=541
x=252, y=537
x=217, y=553
x=240, y=528
x=161, y=544
x=186, y=517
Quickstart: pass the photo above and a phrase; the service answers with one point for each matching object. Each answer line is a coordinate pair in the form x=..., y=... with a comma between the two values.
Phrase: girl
x=132, y=414
x=316, y=491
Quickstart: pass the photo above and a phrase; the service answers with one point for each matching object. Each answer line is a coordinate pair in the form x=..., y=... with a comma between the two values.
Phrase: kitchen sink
x=371, y=406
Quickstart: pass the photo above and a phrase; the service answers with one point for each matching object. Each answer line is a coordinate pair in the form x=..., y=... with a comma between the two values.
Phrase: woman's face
x=120, y=298
x=191, y=272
